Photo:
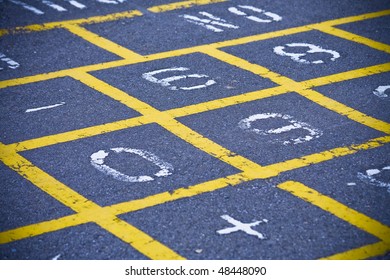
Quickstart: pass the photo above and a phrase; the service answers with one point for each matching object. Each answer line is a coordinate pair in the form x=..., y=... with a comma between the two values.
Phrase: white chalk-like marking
x=27, y=7
x=239, y=226
x=271, y=16
x=279, y=50
x=351, y=184
x=210, y=22
x=76, y=4
x=380, y=91
x=368, y=177
x=53, y=6
x=166, y=82
x=56, y=257
x=44, y=107
x=10, y=62
x=246, y=124
x=97, y=161
x=111, y=1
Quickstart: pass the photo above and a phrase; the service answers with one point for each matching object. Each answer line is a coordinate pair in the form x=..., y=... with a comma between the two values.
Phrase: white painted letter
x=209, y=22
x=97, y=161
x=166, y=82
x=279, y=50
x=270, y=16
x=246, y=124
x=11, y=63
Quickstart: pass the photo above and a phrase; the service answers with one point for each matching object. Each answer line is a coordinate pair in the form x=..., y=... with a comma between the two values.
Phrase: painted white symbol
x=246, y=124
x=12, y=64
x=368, y=177
x=210, y=22
x=44, y=107
x=166, y=82
x=239, y=226
x=97, y=161
x=58, y=7
x=280, y=50
x=380, y=91
x=270, y=16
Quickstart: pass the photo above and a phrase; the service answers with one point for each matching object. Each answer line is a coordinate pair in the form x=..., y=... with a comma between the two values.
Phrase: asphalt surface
x=135, y=136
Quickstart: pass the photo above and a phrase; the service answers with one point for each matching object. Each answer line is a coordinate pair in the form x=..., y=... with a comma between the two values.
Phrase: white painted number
x=270, y=17
x=216, y=24
x=12, y=64
x=380, y=91
x=167, y=82
x=98, y=158
x=298, y=57
x=246, y=124
x=369, y=177
x=239, y=226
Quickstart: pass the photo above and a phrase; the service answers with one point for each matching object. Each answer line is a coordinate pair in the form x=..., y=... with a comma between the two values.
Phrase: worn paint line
x=208, y=146
x=60, y=24
x=44, y=107
x=344, y=110
x=102, y=42
x=338, y=209
x=361, y=253
x=114, y=93
x=138, y=239
x=354, y=38
x=347, y=75
x=78, y=134
x=327, y=155
x=182, y=5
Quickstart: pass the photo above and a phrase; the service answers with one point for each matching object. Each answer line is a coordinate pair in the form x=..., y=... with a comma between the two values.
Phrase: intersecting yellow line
x=124, y=231
x=347, y=214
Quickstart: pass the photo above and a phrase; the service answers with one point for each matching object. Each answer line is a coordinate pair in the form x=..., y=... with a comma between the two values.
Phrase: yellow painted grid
x=87, y=211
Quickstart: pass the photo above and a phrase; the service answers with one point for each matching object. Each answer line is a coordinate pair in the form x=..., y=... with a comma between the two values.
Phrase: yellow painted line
x=327, y=155
x=77, y=134
x=60, y=24
x=114, y=93
x=139, y=240
x=226, y=102
x=102, y=42
x=42, y=228
x=212, y=148
x=246, y=65
x=364, y=252
x=347, y=75
x=182, y=5
x=338, y=209
x=355, y=18
x=354, y=38
x=344, y=110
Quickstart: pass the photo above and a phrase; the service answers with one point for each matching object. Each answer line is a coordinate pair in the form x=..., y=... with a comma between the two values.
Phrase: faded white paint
x=56, y=257
x=76, y=4
x=380, y=91
x=166, y=82
x=210, y=22
x=270, y=16
x=27, y=7
x=246, y=124
x=11, y=63
x=111, y=1
x=98, y=161
x=368, y=177
x=239, y=226
x=44, y=107
x=351, y=184
x=53, y=6
x=280, y=50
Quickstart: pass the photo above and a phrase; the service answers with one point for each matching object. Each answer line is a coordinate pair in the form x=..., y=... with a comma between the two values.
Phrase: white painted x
x=239, y=226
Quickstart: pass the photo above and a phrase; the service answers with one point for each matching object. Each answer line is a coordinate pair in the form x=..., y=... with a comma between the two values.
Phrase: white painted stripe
x=380, y=91
x=27, y=7
x=54, y=6
x=45, y=107
x=76, y=4
x=111, y=1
